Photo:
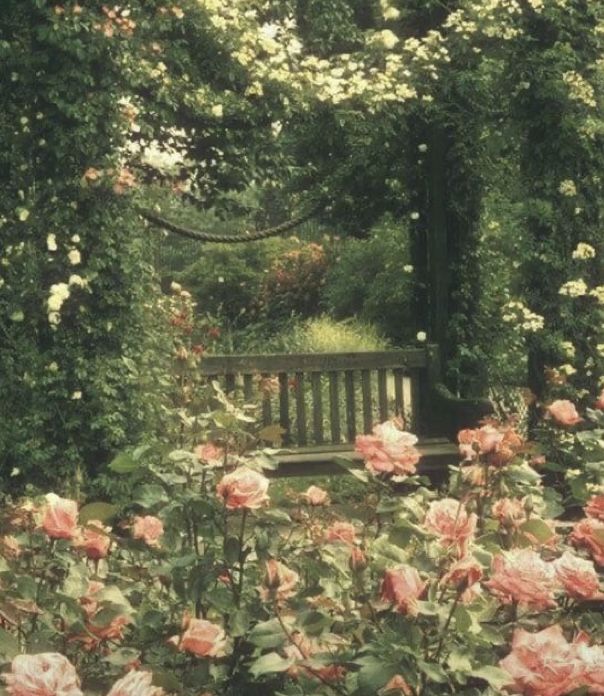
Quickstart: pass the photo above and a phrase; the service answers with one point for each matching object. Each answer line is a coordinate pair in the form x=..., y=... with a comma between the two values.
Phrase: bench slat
x=350, y=405
x=267, y=410
x=367, y=407
x=382, y=394
x=300, y=409
x=399, y=402
x=308, y=362
x=317, y=401
x=248, y=387
x=284, y=420
x=334, y=407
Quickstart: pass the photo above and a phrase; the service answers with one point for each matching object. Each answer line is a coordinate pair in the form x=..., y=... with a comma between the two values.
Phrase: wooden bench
x=322, y=401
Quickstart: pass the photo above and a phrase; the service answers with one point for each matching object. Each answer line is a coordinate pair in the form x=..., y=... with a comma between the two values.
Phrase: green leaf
x=125, y=463
x=97, y=511
x=270, y=663
x=9, y=645
x=149, y=495
x=537, y=528
x=495, y=676
x=459, y=662
x=352, y=468
x=267, y=634
x=433, y=671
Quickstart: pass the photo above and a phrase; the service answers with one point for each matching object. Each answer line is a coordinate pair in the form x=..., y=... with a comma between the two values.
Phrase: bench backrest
x=328, y=398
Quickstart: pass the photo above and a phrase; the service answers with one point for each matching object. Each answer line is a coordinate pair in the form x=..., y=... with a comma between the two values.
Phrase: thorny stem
x=443, y=635
x=290, y=636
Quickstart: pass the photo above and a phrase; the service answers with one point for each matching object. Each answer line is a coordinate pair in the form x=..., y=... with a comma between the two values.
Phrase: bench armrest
x=448, y=414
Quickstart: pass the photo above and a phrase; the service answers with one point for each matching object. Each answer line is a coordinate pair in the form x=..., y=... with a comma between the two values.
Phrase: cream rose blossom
x=243, y=489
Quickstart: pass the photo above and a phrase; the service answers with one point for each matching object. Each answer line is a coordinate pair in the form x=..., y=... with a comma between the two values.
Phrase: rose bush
x=201, y=585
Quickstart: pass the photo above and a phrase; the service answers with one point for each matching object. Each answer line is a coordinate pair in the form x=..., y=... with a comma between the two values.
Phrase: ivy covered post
x=556, y=80
x=73, y=271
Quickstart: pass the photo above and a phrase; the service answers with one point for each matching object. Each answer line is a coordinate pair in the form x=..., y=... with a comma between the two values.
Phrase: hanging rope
x=201, y=236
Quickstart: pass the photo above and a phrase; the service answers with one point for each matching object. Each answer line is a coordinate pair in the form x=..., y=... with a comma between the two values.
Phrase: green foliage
x=373, y=280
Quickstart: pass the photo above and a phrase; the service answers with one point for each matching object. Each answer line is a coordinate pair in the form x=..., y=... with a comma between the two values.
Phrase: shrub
x=372, y=279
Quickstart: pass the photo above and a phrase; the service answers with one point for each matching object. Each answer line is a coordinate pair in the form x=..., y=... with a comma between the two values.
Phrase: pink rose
x=449, y=520
x=243, y=488
x=520, y=576
x=316, y=496
x=341, y=533
x=148, y=528
x=210, y=454
x=510, y=512
x=543, y=663
x=97, y=631
x=94, y=539
x=462, y=575
x=497, y=443
x=201, y=638
x=397, y=686
x=45, y=674
x=279, y=582
x=595, y=507
x=564, y=412
x=592, y=659
x=60, y=517
x=303, y=648
x=578, y=577
x=589, y=534
x=136, y=684
x=389, y=450
x=402, y=587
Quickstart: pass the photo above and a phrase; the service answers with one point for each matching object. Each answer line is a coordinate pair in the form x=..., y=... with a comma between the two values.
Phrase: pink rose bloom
x=148, y=528
x=595, y=507
x=279, y=582
x=60, y=517
x=202, y=638
x=510, y=512
x=578, y=577
x=592, y=659
x=463, y=574
x=599, y=403
x=449, y=520
x=243, y=488
x=397, y=686
x=543, y=663
x=521, y=576
x=389, y=450
x=45, y=674
x=564, y=412
x=136, y=684
x=341, y=533
x=498, y=444
x=210, y=454
x=402, y=587
x=316, y=496
x=589, y=534
x=94, y=539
